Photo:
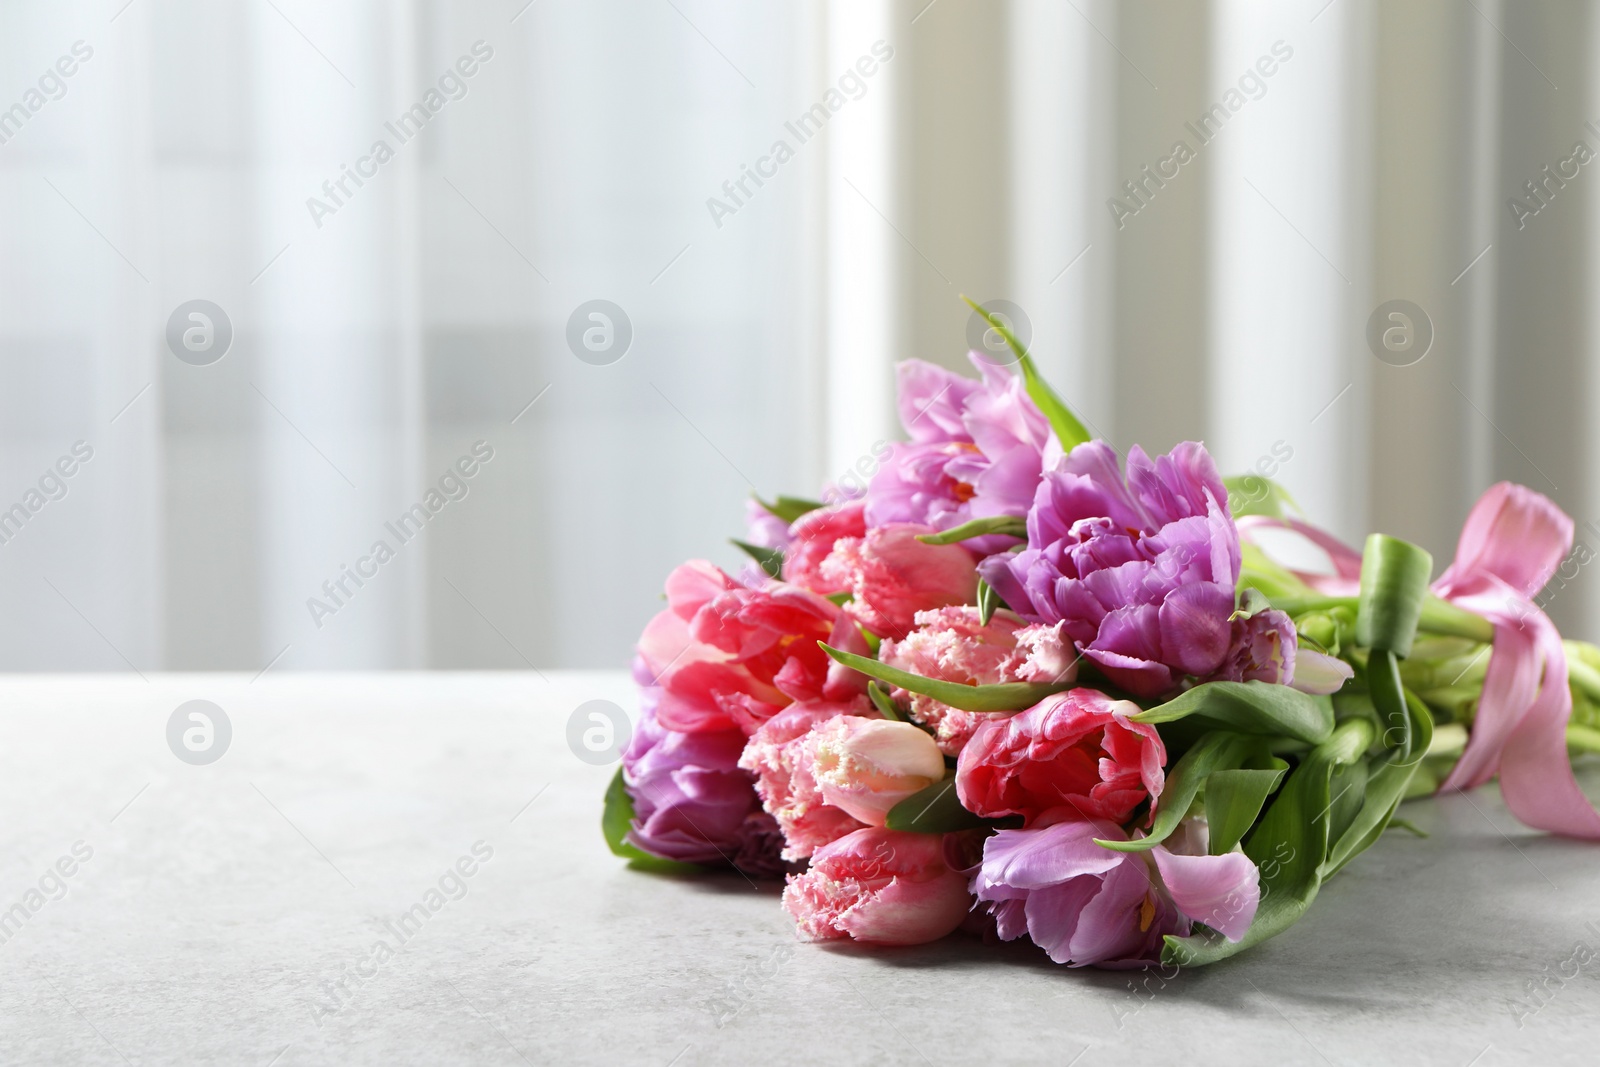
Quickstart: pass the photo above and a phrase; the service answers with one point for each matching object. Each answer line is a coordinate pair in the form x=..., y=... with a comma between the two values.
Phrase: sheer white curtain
x=79, y=566
x=409, y=323
x=1288, y=268
x=393, y=332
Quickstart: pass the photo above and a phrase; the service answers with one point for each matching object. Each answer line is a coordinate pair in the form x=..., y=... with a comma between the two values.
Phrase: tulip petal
x=694, y=584
x=1220, y=891
x=908, y=912
x=1109, y=926
x=1318, y=673
x=1096, y=462
x=880, y=886
x=1195, y=628
x=1051, y=915
x=930, y=400
x=1034, y=859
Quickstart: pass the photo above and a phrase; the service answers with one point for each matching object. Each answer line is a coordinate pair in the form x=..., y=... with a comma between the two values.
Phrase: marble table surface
x=155, y=911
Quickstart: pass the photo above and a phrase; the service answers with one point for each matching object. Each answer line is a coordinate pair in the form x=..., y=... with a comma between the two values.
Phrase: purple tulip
x=1266, y=648
x=691, y=801
x=1140, y=570
x=976, y=450
x=1087, y=905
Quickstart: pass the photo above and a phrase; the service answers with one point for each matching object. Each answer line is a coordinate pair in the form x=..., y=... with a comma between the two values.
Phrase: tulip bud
x=867, y=766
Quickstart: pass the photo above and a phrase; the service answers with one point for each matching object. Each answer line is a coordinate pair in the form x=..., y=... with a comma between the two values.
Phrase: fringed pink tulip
x=881, y=886
x=811, y=539
x=866, y=766
x=892, y=576
x=782, y=761
x=951, y=644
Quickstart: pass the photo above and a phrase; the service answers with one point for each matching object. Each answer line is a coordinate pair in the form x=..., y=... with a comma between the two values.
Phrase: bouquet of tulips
x=1021, y=685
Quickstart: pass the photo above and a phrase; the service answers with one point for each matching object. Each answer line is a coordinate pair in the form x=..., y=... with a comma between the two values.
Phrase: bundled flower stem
x=1023, y=686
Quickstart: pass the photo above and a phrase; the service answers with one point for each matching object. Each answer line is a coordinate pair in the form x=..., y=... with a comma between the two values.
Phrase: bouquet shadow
x=1473, y=908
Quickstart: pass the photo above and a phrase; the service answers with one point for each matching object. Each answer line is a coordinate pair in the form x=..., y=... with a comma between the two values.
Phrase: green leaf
x=771, y=559
x=1217, y=750
x=882, y=702
x=1383, y=790
x=1234, y=799
x=1388, y=697
x=1381, y=793
x=1394, y=584
x=988, y=602
x=790, y=508
x=934, y=810
x=615, y=822
x=1251, y=494
x=1010, y=696
x=1347, y=790
x=1353, y=703
x=1069, y=430
x=1289, y=846
x=1250, y=707
x=1009, y=525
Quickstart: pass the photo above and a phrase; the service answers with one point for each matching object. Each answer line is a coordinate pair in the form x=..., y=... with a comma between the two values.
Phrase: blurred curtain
x=1336, y=156
x=383, y=327
x=388, y=333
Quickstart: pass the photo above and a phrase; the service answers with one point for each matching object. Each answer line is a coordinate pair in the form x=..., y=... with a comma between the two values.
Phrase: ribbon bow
x=1512, y=543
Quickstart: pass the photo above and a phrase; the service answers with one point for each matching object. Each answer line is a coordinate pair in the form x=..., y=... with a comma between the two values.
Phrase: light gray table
x=223, y=904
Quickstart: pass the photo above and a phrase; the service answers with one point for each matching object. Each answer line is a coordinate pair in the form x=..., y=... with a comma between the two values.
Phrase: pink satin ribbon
x=1512, y=543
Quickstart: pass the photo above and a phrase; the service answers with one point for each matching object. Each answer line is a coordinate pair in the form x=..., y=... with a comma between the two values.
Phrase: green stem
x=1438, y=616
x=1582, y=737
x=1444, y=618
x=1584, y=678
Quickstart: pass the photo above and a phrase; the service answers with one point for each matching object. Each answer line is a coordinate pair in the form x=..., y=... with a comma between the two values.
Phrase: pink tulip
x=779, y=756
x=867, y=766
x=976, y=449
x=1076, y=752
x=811, y=539
x=885, y=887
x=892, y=576
x=952, y=645
x=726, y=656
